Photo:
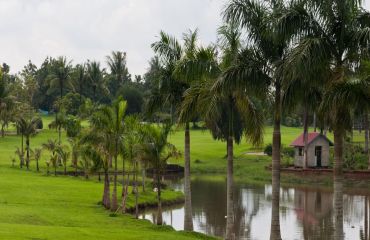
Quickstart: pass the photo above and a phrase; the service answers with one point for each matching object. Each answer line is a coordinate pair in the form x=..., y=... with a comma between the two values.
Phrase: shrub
x=39, y=124
x=288, y=152
x=268, y=149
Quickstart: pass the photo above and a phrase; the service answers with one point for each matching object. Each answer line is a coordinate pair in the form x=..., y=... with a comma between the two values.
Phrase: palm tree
x=131, y=142
x=95, y=76
x=51, y=146
x=98, y=146
x=60, y=75
x=118, y=68
x=307, y=95
x=329, y=36
x=36, y=155
x=58, y=123
x=227, y=115
x=80, y=79
x=109, y=122
x=171, y=89
x=63, y=155
x=28, y=127
x=157, y=150
x=75, y=152
x=261, y=64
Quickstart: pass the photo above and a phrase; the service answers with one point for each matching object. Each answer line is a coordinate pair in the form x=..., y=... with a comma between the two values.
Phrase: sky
x=91, y=29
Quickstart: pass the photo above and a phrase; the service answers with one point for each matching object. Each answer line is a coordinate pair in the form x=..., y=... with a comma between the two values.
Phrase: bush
x=268, y=150
x=354, y=158
x=39, y=124
x=72, y=126
x=288, y=152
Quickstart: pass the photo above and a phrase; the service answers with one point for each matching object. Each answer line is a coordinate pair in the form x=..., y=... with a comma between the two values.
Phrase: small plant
x=13, y=161
x=268, y=150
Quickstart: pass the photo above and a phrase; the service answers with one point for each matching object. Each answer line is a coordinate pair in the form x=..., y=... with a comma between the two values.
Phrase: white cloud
x=91, y=29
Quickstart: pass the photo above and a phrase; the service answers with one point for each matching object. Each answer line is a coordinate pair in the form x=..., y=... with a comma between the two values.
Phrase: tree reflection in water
x=306, y=212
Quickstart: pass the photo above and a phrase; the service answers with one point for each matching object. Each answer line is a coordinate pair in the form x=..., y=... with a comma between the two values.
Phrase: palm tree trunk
x=338, y=208
x=123, y=184
x=366, y=128
x=125, y=193
x=188, y=217
x=136, y=193
x=276, y=144
x=143, y=176
x=60, y=134
x=106, y=193
x=159, y=214
x=314, y=122
x=65, y=168
x=22, y=152
x=37, y=165
x=28, y=152
x=338, y=152
x=114, y=205
x=230, y=184
x=305, y=138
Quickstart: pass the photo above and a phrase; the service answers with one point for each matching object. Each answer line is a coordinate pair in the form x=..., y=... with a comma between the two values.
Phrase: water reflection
x=305, y=212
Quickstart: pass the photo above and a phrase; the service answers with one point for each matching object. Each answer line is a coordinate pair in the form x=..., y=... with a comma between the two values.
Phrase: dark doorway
x=318, y=150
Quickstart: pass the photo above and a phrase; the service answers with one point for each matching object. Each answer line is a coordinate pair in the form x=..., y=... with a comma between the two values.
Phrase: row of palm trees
x=296, y=53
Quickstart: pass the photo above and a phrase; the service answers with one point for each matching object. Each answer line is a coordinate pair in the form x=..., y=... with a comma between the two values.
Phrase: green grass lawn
x=36, y=206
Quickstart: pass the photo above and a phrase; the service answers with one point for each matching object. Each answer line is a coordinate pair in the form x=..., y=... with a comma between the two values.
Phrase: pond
x=306, y=212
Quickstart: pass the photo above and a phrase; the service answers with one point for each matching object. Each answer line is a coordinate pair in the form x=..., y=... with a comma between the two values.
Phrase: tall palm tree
x=131, y=142
x=329, y=35
x=307, y=95
x=108, y=122
x=261, y=64
x=118, y=70
x=58, y=123
x=157, y=150
x=28, y=127
x=170, y=91
x=63, y=155
x=51, y=146
x=80, y=79
x=95, y=76
x=228, y=115
x=59, y=80
x=60, y=75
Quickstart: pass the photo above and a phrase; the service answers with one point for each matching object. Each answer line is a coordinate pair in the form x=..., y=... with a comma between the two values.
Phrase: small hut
x=317, y=152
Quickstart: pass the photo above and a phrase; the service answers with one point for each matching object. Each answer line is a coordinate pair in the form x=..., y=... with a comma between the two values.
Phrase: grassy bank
x=34, y=206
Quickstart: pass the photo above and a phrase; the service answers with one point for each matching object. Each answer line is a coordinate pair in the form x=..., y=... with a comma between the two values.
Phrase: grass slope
x=34, y=206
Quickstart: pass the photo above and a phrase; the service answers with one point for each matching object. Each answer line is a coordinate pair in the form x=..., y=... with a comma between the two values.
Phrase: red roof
x=299, y=142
